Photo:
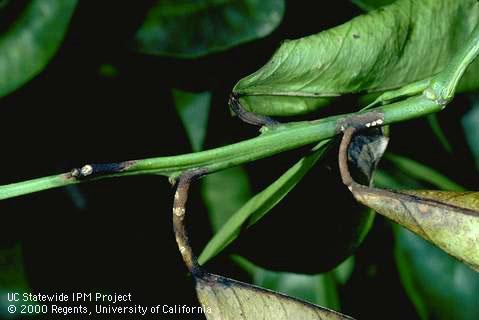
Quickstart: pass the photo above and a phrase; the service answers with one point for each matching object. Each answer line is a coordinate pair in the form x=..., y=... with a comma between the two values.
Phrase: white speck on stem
x=179, y=211
x=86, y=170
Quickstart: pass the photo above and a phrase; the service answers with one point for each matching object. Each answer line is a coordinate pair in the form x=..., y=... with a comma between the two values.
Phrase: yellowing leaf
x=449, y=220
x=228, y=299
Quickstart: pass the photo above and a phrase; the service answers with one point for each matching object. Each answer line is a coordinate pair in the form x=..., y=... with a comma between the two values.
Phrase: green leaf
x=385, y=49
x=261, y=204
x=449, y=220
x=225, y=192
x=228, y=299
x=193, y=109
x=283, y=105
x=32, y=40
x=439, y=286
x=368, y=5
x=192, y=28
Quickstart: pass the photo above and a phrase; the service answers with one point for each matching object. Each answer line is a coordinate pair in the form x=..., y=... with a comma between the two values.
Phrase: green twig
x=274, y=140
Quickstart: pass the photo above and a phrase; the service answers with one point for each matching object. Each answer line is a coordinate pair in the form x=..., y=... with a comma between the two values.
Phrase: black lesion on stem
x=98, y=169
x=247, y=116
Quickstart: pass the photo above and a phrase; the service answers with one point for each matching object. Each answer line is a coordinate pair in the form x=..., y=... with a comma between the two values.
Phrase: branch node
x=360, y=121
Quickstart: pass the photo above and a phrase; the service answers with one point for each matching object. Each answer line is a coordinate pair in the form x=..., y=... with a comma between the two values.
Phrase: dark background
x=120, y=239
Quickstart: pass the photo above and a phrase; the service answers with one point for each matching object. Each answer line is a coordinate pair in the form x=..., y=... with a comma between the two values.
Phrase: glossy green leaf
x=227, y=299
x=385, y=49
x=260, y=204
x=449, y=220
x=439, y=286
x=225, y=192
x=193, y=109
x=192, y=28
x=32, y=40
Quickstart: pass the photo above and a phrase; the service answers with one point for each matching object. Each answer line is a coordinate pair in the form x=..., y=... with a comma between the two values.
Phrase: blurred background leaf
x=439, y=286
x=421, y=172
x=12, y=279
x=321, y=289
x=438, y=131
x=192, y=28
x=28, y=44
x=470, y=123
x=193, y=109
x=225, y=192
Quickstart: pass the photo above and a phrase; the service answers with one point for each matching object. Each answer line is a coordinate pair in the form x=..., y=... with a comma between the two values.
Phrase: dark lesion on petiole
x=349, y=127
x=247, y=116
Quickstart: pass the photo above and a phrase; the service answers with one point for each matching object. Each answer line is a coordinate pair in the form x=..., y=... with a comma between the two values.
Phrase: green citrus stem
x=273, y=141
x=280, y=138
